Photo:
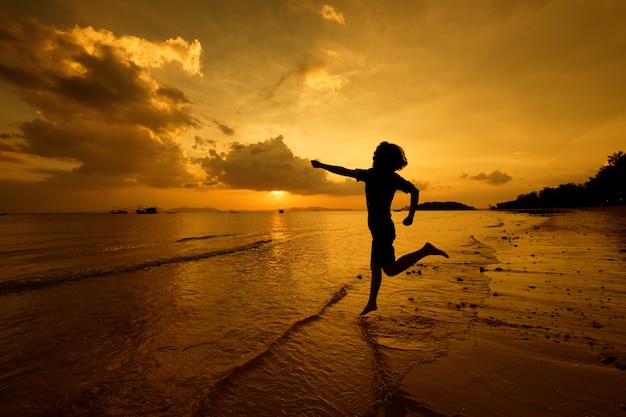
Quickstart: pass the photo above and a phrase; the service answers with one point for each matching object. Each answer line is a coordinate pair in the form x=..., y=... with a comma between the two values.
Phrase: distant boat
x=172, y=212
x=118, y=210
x=3, y=214
x=147, y=210
x=281, y=211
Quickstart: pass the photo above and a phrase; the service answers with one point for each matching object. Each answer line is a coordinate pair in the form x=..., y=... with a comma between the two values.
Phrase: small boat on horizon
x=146, y=210
x=118, y=210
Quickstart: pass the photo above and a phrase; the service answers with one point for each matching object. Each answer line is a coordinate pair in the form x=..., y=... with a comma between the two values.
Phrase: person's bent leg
x=377, y=278
x=410, y=259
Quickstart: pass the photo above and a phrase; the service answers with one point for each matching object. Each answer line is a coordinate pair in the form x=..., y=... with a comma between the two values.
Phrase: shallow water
x=218, y=314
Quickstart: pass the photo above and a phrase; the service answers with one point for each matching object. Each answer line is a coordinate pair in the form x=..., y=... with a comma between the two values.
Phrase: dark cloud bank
x=97, y=109
x=270, y=165
x=496, y=177
x=104, y=122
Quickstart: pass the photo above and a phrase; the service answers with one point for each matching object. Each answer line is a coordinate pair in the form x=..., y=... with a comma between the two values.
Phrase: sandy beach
x=549, y=339
x=258, y=315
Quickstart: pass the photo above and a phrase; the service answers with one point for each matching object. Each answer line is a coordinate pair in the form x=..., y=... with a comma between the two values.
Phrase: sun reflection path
x=279, y=225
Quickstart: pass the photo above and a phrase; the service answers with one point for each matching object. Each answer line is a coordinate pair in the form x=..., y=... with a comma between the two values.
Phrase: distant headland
x=607, y=188
x=439, y=205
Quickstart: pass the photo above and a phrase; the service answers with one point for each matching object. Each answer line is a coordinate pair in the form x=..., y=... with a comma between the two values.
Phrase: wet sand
x=526, y=318
x=550, y=337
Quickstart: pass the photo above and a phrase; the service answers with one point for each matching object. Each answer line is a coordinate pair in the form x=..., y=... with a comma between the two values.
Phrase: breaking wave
x=257, y=357
x=187, y=239
x=33, y=283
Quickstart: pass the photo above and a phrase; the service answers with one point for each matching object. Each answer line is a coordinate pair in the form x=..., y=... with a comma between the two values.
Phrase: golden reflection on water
x=278, y=226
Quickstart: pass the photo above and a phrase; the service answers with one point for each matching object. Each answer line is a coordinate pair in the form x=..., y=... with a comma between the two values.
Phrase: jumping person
x=381, y=182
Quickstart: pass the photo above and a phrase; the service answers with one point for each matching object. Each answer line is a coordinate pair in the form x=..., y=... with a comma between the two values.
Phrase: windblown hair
x=389, y=157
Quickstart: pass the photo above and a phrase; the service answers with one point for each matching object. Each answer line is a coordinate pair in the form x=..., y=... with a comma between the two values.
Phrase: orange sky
x=217, y=104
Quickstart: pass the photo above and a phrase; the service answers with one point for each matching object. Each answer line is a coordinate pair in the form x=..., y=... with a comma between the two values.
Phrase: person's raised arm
x=415, y=196
x=335, y=169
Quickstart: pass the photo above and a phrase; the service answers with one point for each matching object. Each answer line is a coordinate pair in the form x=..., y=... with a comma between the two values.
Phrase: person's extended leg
x=377, y=278
x=408, y=260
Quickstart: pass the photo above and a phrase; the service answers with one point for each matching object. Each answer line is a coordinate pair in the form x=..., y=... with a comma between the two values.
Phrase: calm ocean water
x=219, y=314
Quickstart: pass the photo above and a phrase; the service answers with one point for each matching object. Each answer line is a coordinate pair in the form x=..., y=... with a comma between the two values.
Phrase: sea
x=249, y=313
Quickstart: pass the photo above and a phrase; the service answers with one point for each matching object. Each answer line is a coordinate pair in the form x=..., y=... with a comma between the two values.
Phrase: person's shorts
x=383, y=252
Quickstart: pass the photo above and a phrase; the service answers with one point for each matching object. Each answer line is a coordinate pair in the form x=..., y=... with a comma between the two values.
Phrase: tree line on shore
x=607, y=188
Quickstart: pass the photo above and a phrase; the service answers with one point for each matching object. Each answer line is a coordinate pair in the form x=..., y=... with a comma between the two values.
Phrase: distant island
x=438, y=205
x=607, y=188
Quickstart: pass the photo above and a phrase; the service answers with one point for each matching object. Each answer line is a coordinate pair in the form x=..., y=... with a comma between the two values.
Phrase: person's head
x=389, y=157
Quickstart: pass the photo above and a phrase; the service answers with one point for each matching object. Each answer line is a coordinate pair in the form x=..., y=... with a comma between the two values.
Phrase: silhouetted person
x=381, y=182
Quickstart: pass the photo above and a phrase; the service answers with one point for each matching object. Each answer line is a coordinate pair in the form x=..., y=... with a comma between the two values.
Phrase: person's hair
x=389, y=157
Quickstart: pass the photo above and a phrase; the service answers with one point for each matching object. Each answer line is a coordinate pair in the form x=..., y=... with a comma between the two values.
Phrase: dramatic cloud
x=227, y=130
x=332, y=14
x=312, y=72
x=323, y=81
x=270, y=166
x=143, y=53
x=325, y=11
x=202, y=144
x=496, y=177
x=124, y=152
x=101, y=113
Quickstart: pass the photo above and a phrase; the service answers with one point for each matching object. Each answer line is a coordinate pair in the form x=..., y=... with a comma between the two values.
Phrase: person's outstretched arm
x=415, y=196
x=335, y=169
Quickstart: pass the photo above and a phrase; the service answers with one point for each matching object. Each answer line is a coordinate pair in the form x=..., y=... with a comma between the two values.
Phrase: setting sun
x=200, y=201
x=481, y=109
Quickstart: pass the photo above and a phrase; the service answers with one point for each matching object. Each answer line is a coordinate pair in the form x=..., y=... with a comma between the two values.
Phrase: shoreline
x=492, y=374
x=550, y=337
x=526, y=306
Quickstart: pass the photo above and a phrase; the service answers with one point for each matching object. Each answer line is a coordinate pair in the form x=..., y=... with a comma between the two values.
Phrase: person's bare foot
x=432, y=250
x=368, y=309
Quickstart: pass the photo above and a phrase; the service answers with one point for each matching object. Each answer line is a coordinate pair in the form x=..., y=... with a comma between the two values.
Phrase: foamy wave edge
x=25, y=284
x=252, y=360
